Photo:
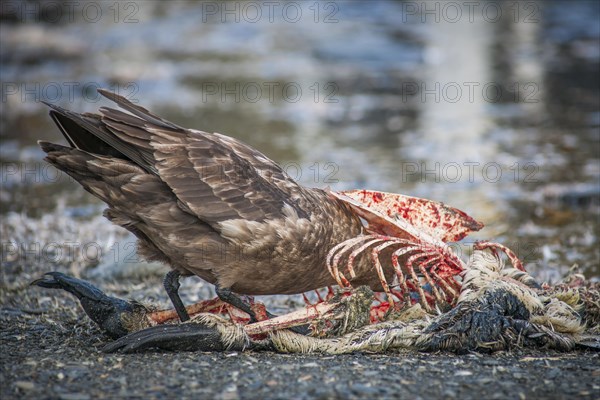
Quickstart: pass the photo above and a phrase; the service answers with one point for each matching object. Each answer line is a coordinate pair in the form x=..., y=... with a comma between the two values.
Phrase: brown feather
x=206, y=204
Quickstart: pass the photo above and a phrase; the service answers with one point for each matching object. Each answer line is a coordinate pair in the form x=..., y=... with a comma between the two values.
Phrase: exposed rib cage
x=417, y=230
x=438, y=268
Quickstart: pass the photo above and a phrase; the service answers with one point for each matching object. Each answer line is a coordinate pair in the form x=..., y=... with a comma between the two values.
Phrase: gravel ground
x=51, y=350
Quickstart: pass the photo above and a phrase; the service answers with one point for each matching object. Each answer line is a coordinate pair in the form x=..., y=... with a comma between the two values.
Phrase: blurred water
x=492, y=108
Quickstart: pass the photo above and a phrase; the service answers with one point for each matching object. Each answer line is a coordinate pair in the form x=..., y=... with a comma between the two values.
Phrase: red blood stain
x=377, y=197
x=379, y=311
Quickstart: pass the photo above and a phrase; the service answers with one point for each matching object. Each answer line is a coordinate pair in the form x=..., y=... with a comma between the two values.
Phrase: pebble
x=363, y=389
x=449, y=393
x=74, y=396
x=553, y=373
x=24, y=385
x=463, y=373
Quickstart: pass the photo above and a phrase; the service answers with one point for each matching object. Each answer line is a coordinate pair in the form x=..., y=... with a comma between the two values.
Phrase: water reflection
x=496, y=115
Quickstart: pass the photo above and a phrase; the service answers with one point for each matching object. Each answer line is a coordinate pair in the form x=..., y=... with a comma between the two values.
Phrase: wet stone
x=364, y=389
x=24, y=385
x=75, y=396
x=553, y=373
x=449, y=393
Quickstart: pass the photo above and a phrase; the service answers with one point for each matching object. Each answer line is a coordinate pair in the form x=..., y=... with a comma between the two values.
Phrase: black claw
x=183, y=337
x=226, y=295
x=104, y=310
x=171, y=284
x=303, y=330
